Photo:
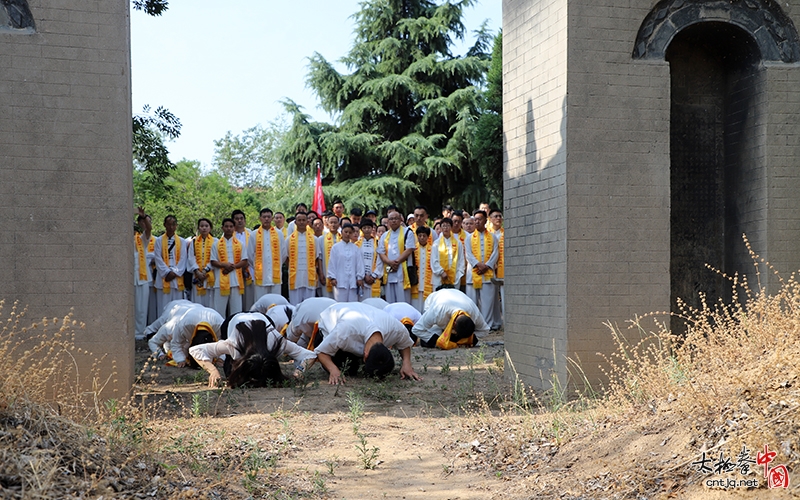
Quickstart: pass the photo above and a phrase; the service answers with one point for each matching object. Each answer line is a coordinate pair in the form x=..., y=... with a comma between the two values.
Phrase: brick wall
x=65, y=175
x=534, y=124
x=587, y=179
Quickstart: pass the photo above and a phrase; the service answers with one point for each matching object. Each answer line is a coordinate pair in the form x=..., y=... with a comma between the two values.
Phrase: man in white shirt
x=266, y=251
x=447, y=259
x=267, y=302
x=187, y=325
x=356, y=334
x=243, y=235
x=229, y=260
x=373, y=270
x=304, y=257
x=142, y=258
x=481, y=250
x=394, y=249
x=170, y=255
x=346, y=268
x=451, y=319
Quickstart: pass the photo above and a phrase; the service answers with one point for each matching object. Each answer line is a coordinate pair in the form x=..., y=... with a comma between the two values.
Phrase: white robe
x=231, y=345
x=345, y=265
x=267, y=301
x=439, y=308
x=348, y=326
x=178, y=330
x=305, y=315
x=266, y=255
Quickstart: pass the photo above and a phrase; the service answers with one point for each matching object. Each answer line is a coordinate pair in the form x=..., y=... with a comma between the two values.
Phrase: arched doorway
x=716, y=50
x=716, y=157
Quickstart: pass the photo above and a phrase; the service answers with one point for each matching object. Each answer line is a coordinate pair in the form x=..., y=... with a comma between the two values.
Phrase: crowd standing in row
x=343, y=284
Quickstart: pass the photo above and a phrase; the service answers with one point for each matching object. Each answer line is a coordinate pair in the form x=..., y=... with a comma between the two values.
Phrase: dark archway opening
x=716, y=158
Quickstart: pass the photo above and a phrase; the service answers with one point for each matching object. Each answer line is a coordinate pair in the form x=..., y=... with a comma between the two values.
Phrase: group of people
x=314, y=285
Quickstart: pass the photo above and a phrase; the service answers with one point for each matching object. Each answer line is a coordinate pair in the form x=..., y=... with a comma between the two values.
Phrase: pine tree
x=404, y=114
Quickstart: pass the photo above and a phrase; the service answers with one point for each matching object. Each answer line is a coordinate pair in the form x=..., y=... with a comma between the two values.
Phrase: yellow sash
x=443, y=342
x=477, y=251
x=202, y=254
x=501, y=261
x=140, y=251
x=329, y=239
x=445, y=254
x=285, y=230
x=225, y=279
x=165, y=257
x=407, y=322
x=427, y=288
x=401, y=244
x=151, y=245
x=276, y=256
x=311, y=252
x=310, y=346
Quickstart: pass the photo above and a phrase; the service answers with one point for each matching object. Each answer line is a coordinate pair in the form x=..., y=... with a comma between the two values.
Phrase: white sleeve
x=293, y=350
x=191, y=265
x=461, y=264
x=211, y=350
x=468, y=251
x=492, y=260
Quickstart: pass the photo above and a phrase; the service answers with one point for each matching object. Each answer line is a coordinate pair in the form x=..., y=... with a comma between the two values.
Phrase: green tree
x=404, y=114
x=150, y=154
x=190, y=194
x=488, y=144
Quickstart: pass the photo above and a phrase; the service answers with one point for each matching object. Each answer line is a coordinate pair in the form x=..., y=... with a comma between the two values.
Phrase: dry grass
x=731, y=381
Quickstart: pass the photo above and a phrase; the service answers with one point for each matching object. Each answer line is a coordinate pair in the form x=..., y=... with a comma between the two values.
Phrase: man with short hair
x=242, y=234
x=266, y=250
x=420, y=217
x=170, y=255
x=300, y=207
x=447, y=259
x=447, y=211
x=372, y=215
x=394, y=249
x=355, y=216
x=142, y=258
x=229, y=260
x=481, y=251
x=484, y=207
x=357, y=334
x=451, y=319
x=496, y=216
x=422, y=256
x=373, y=271
x=319, y=227
x=338, y=209
x=304, y=258
x=279, y=221
x=345, y=269
x=326, y=243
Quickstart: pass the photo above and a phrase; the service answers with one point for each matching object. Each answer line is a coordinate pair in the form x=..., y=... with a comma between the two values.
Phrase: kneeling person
x=255, y=346
x=356, y=334
x=451, y=319
x=189, y=325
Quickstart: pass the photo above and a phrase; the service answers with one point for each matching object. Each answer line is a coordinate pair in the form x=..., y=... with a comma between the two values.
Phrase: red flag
x=319, y=198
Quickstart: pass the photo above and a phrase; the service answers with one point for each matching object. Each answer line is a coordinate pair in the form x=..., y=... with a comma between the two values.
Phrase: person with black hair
x=345, y=267
x=357, y=338
x=254, y=345
x=451, y=319
x=184, y=324
x=170, y=255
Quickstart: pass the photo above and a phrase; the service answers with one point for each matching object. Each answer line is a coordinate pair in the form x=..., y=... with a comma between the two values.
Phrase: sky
x=222, y=69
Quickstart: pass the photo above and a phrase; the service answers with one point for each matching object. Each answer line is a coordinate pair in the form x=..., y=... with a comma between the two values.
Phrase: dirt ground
x=463, y=432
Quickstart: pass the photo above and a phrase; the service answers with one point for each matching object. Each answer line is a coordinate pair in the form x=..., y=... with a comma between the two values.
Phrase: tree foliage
x=250, y=159
x=151, y=7
x=150, y=154
x=404, y=114
x=489, y=129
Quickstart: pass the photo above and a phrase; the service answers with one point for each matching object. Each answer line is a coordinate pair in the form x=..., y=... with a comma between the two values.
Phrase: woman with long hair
x=254, y=346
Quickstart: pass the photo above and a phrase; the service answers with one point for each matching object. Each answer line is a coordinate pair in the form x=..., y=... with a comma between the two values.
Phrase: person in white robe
x=443, y=309
x=300, y=284
x=203, y=243
x=355, y=334
x=229, y=295
x=449, y=271
x=480, y=287
x=142, y=279
x=170, y=256
x=182, y=329
x=233, y=346
x=170, y=309
x=267, y=277
x=346, y=268
x=376, y=302
x=424, y=246
x=394, y=258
